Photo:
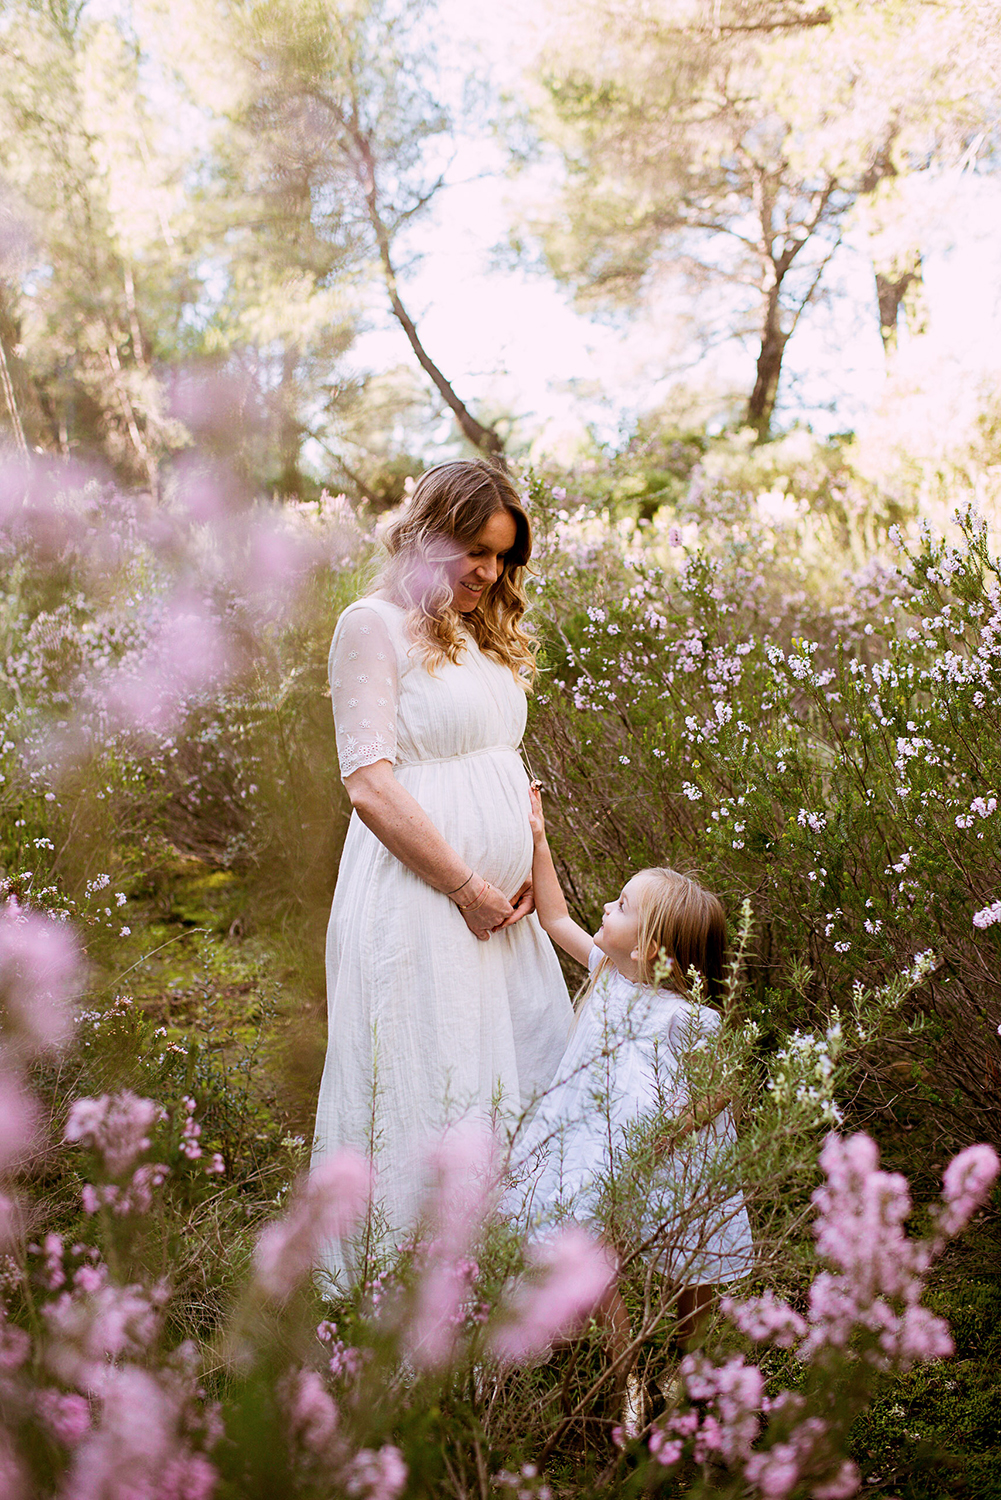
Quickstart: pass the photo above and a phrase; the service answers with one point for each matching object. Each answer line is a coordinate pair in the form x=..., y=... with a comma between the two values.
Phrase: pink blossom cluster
x=218, y=567
x=462, y=1196
x=376, y=1474
x=40, y=974
x=571, y=1272
x=94, y=1323
x=966, y=1183
x=344, y=1361
x=727, y=1423
x=134, y=1197
x=139, y=1446
x=190, y=1131
x=326, y=1206
x=314, y=1427
x=871, y=1295
x=115, y=1126
x=18, y=1116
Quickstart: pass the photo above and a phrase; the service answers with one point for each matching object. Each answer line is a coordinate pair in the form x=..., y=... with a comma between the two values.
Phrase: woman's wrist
x=471, y=893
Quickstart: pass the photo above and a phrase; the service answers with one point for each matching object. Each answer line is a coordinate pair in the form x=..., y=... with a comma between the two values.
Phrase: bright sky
x=512, y=339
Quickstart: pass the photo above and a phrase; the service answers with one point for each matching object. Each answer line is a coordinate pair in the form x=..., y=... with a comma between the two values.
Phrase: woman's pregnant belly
x=479, y=804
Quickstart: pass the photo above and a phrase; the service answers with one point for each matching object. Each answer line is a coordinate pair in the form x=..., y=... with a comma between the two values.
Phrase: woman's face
x=479, y=563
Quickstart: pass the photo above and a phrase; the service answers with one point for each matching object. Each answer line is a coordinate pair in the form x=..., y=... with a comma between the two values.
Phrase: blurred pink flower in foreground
x=17, y=1120
x=65, y=1414
x=312, y=1412
x=576, y=1270
x=40, y=973
x=464, y=1192
x=116, y=1126
x=872, y=1294
x=187, y=652
x=96, y=1323
x=377, y=1475
x=326, y=1206
x=136, y=1452
x=968, y=1179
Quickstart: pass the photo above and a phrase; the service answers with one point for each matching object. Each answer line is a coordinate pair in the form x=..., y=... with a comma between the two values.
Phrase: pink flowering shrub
x=863, y=1318
x=571, y=1273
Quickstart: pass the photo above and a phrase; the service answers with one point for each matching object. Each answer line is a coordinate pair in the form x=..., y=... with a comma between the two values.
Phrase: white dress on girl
x=428, y=1025
x=624, y=1068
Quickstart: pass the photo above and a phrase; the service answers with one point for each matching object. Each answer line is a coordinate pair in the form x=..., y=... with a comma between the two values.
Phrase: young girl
x=625, y=1063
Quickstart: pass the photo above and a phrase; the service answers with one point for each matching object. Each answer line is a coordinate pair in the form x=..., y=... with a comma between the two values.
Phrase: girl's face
x=617, y=934
x=479, y=563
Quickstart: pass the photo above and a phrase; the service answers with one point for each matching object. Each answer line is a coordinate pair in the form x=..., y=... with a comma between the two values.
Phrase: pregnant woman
x=445, y=998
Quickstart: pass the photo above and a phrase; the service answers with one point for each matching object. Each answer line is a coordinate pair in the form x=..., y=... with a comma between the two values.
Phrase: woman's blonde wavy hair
x=450, y=505
x=680, y=921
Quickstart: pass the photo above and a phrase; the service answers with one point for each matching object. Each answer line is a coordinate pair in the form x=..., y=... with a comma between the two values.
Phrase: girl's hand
x=668, y=1142
x=489, y=913
x=535, y=815
x=523, y=902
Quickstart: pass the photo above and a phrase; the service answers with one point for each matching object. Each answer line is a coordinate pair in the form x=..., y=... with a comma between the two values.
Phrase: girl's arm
x=550, y=903
x=695, y=1117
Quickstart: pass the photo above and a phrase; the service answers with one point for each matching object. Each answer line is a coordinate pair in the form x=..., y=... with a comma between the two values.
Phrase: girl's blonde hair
x=681, y=923
x=450, y=506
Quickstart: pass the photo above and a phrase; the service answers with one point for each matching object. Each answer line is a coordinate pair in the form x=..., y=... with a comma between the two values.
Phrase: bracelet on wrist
x=459, y=887
x=477, y=900
x=463, y=904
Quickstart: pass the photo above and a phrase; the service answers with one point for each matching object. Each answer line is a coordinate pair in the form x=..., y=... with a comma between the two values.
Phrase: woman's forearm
x=399, y=822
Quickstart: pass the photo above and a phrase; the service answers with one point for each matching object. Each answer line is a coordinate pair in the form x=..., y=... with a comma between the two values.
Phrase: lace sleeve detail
x=363, y=690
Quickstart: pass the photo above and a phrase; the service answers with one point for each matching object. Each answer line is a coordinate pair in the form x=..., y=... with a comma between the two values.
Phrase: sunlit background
x=568, y=193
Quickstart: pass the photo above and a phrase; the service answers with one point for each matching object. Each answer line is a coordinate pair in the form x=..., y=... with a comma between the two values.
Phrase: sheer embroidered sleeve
x=364, y=683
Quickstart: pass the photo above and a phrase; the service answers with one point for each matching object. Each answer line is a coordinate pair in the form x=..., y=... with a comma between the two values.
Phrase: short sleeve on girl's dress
x=594, y=958
x=364, y=690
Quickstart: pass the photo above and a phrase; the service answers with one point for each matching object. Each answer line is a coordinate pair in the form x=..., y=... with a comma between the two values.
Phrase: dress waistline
x=440, y=760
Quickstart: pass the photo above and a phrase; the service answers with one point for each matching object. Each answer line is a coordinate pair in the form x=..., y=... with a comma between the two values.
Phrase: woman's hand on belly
x=523, y=903
x=492, y=910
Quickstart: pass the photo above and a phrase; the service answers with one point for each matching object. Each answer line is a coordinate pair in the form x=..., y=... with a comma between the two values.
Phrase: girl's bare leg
x=695, y=1305
x=613, y=1316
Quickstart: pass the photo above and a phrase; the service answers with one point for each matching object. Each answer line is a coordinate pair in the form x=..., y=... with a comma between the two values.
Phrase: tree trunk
x=769, y=368
x=487, y=439
x=290, y=478
x=898, y=288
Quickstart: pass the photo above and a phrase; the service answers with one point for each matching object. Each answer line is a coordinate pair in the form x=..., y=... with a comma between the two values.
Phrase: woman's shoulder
x=373, y=612
x=375, y=604
x=371, y=629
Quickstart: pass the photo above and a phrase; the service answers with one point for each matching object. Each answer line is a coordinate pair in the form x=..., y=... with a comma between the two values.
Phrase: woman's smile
x=481, y=562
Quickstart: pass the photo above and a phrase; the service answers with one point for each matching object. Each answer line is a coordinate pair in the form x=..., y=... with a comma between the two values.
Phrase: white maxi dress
x=426, y=1024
